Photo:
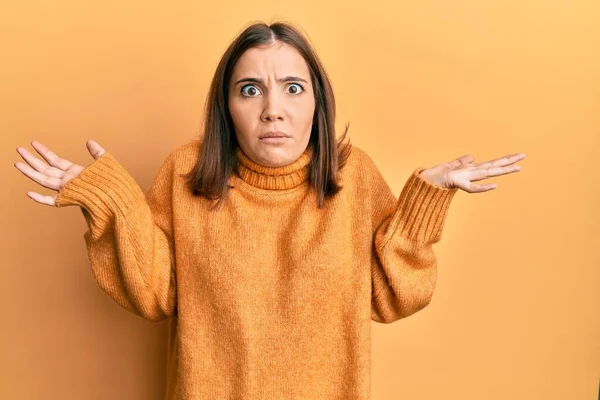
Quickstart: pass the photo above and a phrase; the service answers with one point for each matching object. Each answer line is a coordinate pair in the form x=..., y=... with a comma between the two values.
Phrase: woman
x=270, y=244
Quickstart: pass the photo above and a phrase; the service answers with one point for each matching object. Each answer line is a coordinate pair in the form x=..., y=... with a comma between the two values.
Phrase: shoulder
x=184, y=156
x=359, y=170
x=191, y=148
x=359, y=162
x=358, y=155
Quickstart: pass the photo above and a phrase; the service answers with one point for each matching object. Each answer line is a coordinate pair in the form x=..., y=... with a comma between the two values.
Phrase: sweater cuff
x=104, y=188
x=421, y=210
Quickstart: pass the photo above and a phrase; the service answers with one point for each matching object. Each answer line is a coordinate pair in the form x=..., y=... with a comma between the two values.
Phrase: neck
x=274, y=178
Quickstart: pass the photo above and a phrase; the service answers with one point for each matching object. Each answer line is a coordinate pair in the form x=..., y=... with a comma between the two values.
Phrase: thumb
x=466, y=159
x=95, y=149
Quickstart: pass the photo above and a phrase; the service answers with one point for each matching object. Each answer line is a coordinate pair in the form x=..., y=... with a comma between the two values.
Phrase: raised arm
x=404, y=266
x=130, y=237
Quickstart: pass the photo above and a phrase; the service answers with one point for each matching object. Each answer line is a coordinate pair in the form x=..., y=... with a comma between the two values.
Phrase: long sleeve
x=130, y=237
x=404, y=266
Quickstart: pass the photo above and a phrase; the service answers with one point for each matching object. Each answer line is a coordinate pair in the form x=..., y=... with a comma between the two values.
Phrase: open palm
x=461, y=173
x=56, y=173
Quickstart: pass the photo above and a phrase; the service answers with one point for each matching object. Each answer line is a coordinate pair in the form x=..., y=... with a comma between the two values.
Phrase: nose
x=272, y=110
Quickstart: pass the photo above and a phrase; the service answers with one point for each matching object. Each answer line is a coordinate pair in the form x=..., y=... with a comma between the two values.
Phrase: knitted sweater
x=269, y=296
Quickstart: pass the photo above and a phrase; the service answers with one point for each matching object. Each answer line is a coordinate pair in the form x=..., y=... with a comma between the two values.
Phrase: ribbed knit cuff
x=104, y=188
x=421, y=210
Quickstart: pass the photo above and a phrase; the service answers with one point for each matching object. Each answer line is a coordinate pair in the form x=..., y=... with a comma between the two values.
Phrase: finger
x=52, y=158
x=480, y=173
x=46, y=181
x=496, y=161
x=95, y=149
x=474, y=188
x=38, y=164
x=42, y=199
x=502, y=161
x=466, y=159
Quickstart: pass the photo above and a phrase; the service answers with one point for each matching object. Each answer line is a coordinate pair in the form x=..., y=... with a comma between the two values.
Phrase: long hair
x=217, y=160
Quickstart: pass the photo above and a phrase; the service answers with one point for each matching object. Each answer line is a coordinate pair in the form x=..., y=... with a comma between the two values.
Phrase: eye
x=296, y=91
x=252, y=93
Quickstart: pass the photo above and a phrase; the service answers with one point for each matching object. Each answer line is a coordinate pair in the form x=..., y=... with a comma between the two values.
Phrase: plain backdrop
x=515, y=314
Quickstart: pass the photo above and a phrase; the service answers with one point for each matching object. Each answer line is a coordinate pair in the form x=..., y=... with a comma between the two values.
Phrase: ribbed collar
x=274, y=178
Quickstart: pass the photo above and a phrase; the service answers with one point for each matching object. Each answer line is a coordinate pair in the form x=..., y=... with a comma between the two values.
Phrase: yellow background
x=515, y=312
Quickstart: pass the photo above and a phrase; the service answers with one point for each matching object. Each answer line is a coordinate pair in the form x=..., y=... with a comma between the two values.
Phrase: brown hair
x=217, y=160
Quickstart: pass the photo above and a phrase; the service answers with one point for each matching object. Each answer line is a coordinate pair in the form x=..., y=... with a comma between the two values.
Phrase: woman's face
x=271, y=91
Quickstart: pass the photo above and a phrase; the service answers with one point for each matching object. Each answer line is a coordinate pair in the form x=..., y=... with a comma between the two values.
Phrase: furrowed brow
x=284, y=79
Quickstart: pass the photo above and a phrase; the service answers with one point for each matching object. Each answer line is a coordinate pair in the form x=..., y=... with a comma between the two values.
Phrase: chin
x=277, y=162
x=275, y=157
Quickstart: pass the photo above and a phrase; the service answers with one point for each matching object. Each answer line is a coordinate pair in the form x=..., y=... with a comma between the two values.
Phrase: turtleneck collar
x=274, y=178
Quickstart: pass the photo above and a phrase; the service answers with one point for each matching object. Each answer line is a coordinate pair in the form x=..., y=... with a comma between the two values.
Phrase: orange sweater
x=269, y=297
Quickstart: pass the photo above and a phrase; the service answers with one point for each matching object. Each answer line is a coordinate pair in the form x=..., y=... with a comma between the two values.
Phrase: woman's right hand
x=54, y=176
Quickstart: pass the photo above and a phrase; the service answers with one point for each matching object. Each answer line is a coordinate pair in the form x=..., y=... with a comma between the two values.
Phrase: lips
x=273, y=134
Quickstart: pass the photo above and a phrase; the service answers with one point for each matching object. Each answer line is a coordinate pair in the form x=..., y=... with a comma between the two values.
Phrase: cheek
x=237, y=112
x=242, y=119
x=308, y=110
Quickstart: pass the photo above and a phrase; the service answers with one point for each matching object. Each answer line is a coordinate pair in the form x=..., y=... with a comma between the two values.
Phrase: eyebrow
x=284, y=79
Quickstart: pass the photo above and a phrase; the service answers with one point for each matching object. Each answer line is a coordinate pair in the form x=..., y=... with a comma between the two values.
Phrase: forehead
x=278, y=58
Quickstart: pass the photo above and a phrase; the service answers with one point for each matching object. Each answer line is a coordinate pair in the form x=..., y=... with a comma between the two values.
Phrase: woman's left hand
x=460, y=173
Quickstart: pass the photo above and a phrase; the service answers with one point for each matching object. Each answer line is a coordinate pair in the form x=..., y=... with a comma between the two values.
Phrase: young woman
x=271, y=244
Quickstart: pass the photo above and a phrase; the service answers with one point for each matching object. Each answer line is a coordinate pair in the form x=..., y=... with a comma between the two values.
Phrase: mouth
x=274, y=140
x=273, y=135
